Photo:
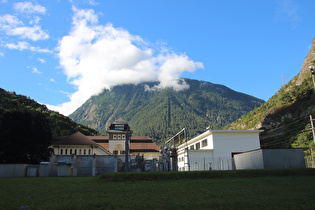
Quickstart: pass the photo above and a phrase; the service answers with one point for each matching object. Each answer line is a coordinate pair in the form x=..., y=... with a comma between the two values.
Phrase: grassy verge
x=255, y=189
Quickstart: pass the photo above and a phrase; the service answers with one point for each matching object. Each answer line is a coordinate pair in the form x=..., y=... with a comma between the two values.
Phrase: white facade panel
x=227, y=143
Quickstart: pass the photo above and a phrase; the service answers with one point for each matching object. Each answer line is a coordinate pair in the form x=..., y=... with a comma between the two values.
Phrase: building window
x=114, y=136
x=192, y=147
x=119, y=136
x=119, y=127
x=123, y=136
x=198, y=146
x=122, y=152
x=75, y=151
x=84, y=152
x=89, y=151
x=66, y=152
x=115, y=152
x=80, y=152
x=61, y=151
x=204, y=143
x=70, y=151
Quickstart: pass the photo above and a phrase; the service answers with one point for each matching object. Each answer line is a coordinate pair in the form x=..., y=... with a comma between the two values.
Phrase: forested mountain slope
x=161, y=113
x=285, y=117
x=59, y=124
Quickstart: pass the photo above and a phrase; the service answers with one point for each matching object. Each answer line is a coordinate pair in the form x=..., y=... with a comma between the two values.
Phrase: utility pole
x=127, y=151
x=312, y=124
x=312, y=69
x=313, y=131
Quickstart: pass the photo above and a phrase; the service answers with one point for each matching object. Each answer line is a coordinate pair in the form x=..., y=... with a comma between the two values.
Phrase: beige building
x=112, y=144
x=77, y=144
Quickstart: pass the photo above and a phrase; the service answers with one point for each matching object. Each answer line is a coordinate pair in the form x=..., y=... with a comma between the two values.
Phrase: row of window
x=181, y=159
x=74, y=151
x=119, y=136
x=196, y=146
x=122, y=152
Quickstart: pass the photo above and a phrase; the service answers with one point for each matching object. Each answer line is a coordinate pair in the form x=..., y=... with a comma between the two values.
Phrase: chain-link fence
x=206, y=164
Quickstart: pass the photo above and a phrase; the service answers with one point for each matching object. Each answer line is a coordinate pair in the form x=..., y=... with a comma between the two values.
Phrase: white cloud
x=12, y=26
x=35, y=71
x=95, y=57
x=287, y=10
x=52, y=80
x=25, y=46
x=9, y=21
x=35, y=20
x=41, y=60
x=33, y=33
x=19, y=46
x=29, y=8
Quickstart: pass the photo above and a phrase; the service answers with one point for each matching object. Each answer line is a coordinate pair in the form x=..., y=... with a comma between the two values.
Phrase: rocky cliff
x=286, y=114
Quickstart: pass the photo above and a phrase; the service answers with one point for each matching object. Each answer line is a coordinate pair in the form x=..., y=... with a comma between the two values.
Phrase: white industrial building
x=214, y=149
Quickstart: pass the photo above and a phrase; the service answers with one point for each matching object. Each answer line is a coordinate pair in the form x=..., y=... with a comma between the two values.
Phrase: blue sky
x=62, y=52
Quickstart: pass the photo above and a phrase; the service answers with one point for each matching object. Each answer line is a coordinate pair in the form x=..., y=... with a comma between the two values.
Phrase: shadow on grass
x=153, y=176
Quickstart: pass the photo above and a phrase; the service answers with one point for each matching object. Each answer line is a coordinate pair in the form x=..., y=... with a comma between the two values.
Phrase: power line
x=286, y=125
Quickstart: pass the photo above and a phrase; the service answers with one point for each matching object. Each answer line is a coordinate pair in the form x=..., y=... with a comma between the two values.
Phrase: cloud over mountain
x=96, y=57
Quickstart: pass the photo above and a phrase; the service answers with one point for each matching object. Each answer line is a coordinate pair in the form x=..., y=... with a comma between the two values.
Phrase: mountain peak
x=161, y=113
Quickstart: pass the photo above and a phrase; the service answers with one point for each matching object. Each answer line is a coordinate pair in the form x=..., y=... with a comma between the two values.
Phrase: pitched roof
x=144, y=147
x=120, y=121
x=74, y=139
x=141, y=138
x=137, y=143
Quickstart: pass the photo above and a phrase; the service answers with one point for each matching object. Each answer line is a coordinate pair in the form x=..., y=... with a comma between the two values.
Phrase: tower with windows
x=117, y=133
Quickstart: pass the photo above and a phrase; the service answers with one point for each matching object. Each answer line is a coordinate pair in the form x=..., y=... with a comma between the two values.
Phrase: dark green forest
x=59, y=124
x=26, y=129
x=162, y=113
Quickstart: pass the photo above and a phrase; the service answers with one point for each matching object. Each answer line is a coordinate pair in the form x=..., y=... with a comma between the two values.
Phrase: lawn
x=250, y=189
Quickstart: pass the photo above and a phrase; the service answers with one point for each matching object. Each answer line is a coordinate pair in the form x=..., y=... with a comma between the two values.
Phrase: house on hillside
x=214, y=149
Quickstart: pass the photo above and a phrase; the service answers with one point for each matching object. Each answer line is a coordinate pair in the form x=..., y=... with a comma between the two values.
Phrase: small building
x=270, y=159
x=214, y=149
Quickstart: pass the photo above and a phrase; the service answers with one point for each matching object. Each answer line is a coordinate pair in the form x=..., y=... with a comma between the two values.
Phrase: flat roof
x=209, y=132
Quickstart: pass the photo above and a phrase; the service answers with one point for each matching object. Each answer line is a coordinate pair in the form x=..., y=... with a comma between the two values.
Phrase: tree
x=24, y=138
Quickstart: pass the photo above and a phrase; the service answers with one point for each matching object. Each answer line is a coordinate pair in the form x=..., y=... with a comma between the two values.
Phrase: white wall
x=234, y=142
x=249, y=160
x=118, y=145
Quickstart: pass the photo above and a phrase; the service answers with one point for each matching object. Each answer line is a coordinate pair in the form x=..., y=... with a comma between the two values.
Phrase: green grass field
x=249, y=189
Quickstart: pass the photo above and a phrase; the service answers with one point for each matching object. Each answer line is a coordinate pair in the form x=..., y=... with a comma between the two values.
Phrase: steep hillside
x=160, y=114
x=286, y=114
x=59, y=124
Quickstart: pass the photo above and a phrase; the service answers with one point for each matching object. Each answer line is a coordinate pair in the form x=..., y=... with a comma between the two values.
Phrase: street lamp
x=312, y=69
